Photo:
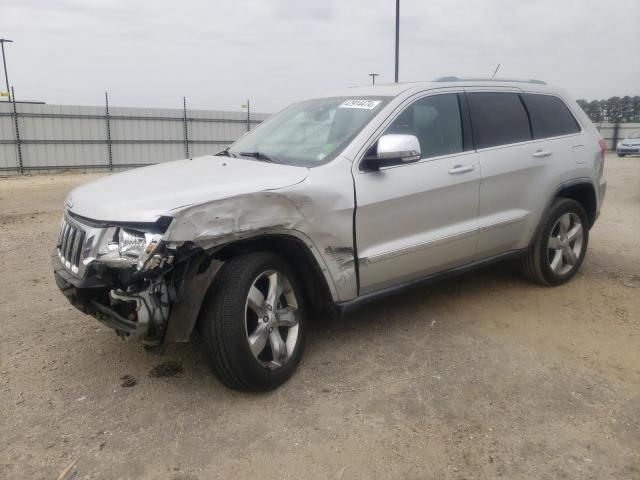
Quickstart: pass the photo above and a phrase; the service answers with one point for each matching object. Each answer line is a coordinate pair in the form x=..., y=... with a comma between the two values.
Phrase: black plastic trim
x=88, y=282
x=468, y=142
x=555, y=194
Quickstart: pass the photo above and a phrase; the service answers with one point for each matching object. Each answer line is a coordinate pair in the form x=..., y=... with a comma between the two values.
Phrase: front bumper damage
x=156, y=309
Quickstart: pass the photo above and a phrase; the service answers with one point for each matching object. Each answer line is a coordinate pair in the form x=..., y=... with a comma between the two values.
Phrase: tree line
x=613, y=110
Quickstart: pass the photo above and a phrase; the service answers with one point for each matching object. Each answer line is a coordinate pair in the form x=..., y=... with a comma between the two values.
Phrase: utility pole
x=373, y=77
x=4, y=62
x=397, y=37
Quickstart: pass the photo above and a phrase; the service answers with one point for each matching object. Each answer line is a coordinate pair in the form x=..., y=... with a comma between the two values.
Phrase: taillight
x=603, y=148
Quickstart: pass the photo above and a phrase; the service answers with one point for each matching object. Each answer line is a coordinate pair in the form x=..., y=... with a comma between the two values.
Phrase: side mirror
x=394, y=149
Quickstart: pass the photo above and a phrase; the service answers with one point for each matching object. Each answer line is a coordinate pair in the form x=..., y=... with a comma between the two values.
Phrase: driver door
x=416, y=219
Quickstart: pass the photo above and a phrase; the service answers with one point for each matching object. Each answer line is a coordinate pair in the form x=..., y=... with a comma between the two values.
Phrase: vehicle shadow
x=394, y=310
x=336, y=343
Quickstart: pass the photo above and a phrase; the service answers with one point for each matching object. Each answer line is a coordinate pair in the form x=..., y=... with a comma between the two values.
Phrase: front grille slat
x=69, y=247
x=77, y=248
x=62, y=226
x=65, y=239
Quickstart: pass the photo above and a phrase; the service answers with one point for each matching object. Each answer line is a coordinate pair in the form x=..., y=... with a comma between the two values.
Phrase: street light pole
x=4, y=62
x=397, y=37
x=373, y=77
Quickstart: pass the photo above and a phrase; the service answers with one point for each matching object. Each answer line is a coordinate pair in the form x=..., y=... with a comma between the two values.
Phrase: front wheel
x=253, y=322
x=621, y=155
x=560, y=244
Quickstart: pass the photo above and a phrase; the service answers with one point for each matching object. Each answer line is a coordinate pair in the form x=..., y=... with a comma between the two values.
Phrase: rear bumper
x=602, y=191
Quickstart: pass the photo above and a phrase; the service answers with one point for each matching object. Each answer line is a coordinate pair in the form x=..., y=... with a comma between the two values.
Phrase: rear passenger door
x=513, y=170
x=526, y=142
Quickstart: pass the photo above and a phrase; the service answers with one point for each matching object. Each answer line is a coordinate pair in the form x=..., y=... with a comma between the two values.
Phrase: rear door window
x=550, y=117
x=498, y=119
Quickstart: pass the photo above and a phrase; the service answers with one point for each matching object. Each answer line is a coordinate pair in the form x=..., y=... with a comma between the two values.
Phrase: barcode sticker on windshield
x=366, y=104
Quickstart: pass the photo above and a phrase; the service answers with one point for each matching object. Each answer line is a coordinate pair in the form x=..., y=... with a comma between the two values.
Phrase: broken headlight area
x=126, y=275
x=123, y=248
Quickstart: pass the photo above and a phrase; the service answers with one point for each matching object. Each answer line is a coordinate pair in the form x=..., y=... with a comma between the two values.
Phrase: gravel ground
x=482, y=376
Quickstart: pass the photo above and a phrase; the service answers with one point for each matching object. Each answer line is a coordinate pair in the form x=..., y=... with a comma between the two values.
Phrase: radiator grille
x=71, y=245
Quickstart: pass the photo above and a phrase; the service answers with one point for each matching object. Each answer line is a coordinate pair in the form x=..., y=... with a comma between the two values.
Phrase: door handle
x=542, y=153
x=461, y=169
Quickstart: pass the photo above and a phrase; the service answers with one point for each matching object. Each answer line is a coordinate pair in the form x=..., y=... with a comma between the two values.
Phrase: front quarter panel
x=318, y=211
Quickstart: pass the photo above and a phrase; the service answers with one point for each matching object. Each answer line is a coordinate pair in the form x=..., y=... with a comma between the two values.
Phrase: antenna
x=496, y=71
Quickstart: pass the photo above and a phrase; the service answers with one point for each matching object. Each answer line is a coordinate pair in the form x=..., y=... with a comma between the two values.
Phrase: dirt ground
x=482, y=376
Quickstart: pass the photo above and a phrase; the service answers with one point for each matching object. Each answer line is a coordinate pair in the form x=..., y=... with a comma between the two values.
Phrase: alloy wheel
x=271, y=319
x=565, y=243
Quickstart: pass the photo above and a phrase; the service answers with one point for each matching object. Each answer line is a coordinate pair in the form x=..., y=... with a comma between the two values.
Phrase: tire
x=621, y=155
x=560, y=244
x=231, y=318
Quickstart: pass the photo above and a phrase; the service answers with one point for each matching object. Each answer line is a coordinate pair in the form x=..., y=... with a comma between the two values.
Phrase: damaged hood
x=144, y=194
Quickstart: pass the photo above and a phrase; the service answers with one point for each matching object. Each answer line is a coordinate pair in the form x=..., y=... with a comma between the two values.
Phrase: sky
x=218, y=53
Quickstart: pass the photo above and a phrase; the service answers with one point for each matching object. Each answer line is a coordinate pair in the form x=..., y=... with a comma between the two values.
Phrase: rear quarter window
x=550, y=117
x=498, y=119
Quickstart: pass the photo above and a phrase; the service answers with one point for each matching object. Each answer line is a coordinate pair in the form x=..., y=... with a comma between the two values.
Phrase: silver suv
x=329, y=204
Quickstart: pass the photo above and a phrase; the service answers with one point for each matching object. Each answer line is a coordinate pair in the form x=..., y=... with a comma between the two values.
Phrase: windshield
x=309, y=133
x=635, y=134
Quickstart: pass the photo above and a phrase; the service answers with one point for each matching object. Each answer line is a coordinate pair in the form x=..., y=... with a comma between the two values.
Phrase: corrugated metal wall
x=58, y=137
x=611, y=137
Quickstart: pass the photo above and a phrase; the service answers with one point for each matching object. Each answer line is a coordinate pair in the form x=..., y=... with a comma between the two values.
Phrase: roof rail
x=457, y=79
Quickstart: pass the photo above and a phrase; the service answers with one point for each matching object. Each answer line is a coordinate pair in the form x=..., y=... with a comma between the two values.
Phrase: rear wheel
x=253, y=322
x=560, y=244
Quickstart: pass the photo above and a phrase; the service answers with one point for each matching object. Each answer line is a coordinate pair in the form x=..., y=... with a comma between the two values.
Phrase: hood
x=631, y=141
x=144, y=194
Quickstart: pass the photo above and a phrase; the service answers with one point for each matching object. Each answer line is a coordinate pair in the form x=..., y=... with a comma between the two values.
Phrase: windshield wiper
x=257, y=155
x=225, y=153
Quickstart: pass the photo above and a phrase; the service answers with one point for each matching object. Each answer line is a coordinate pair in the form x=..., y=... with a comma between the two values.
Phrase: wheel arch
x=298, y=254
x=581, y=190
x=584, y=193
x=313, y=278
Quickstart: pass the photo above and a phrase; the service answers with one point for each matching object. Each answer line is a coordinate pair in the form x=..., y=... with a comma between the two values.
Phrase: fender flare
x=561, y=186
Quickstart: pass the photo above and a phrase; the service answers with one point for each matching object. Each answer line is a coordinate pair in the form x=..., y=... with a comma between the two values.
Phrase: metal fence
x=614, y=132
x=40, y=137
